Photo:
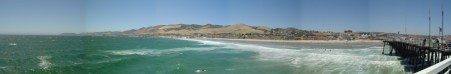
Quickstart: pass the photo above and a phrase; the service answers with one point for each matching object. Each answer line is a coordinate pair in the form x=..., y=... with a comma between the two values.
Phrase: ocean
x=28, y=54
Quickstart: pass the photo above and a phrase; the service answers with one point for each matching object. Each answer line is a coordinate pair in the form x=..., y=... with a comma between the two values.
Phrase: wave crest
x=44, y=63
x=355, y=59
x=153, y=52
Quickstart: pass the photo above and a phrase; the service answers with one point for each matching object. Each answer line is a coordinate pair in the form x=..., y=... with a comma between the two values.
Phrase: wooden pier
x=416, y=57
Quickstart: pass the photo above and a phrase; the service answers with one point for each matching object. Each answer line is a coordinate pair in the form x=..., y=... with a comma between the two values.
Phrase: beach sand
x=302, y=41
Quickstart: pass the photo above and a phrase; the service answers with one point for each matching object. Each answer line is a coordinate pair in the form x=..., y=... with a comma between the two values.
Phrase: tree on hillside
x=277, y=31
x=292, y=30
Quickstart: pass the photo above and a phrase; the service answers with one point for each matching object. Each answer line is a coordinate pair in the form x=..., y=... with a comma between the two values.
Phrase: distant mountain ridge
x=190, y=29
x=242, y=31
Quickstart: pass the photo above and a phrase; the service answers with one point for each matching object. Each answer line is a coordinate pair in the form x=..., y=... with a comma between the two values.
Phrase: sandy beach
x=301, y=41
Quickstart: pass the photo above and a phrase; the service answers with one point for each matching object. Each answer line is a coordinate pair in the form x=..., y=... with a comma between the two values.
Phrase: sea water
x=139, y=55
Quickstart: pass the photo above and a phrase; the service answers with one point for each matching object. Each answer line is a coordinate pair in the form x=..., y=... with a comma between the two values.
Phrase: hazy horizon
x=77, y=16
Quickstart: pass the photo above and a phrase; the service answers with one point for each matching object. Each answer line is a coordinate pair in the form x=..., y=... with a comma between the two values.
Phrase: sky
x=61, y=16
x=41, y=16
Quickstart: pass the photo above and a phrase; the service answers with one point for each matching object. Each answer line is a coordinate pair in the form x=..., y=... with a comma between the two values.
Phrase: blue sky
x=41, y=16
x=59, y=16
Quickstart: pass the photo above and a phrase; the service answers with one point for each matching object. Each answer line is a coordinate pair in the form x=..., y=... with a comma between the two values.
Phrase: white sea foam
x=356, y=60
x=133, y=52
x=44, y=63
x=12, y=44
x=154, y=52
x=376, y=47
x=204, y=42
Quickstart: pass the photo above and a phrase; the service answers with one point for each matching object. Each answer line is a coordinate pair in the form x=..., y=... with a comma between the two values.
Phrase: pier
x=419, y=58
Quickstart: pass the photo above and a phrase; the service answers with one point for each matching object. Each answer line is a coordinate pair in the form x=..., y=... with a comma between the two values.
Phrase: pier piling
x=419, y=56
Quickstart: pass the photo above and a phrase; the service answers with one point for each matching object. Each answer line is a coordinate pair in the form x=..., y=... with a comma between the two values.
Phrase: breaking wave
x=204, y=42
x=44, y=63
x=153, y=52
x=346, y=60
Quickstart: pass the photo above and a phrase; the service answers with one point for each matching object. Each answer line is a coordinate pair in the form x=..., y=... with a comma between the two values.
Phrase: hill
x=191, y=29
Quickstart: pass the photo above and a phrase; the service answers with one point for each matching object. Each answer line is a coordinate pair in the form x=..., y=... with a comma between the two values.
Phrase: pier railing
x=443, y=66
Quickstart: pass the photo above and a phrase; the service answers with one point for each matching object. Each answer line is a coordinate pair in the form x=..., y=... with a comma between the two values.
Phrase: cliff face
x=184, y=29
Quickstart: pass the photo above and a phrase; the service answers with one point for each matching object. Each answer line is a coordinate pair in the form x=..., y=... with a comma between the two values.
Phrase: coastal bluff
x=242, y=31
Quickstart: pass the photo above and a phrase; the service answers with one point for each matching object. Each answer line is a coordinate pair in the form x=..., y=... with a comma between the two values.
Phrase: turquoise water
x=137, y=55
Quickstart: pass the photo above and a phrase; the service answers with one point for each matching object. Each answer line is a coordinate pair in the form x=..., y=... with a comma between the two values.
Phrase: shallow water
x=135, y=55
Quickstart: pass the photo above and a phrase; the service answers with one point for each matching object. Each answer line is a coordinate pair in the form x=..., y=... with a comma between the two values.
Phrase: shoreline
x=303, y=41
